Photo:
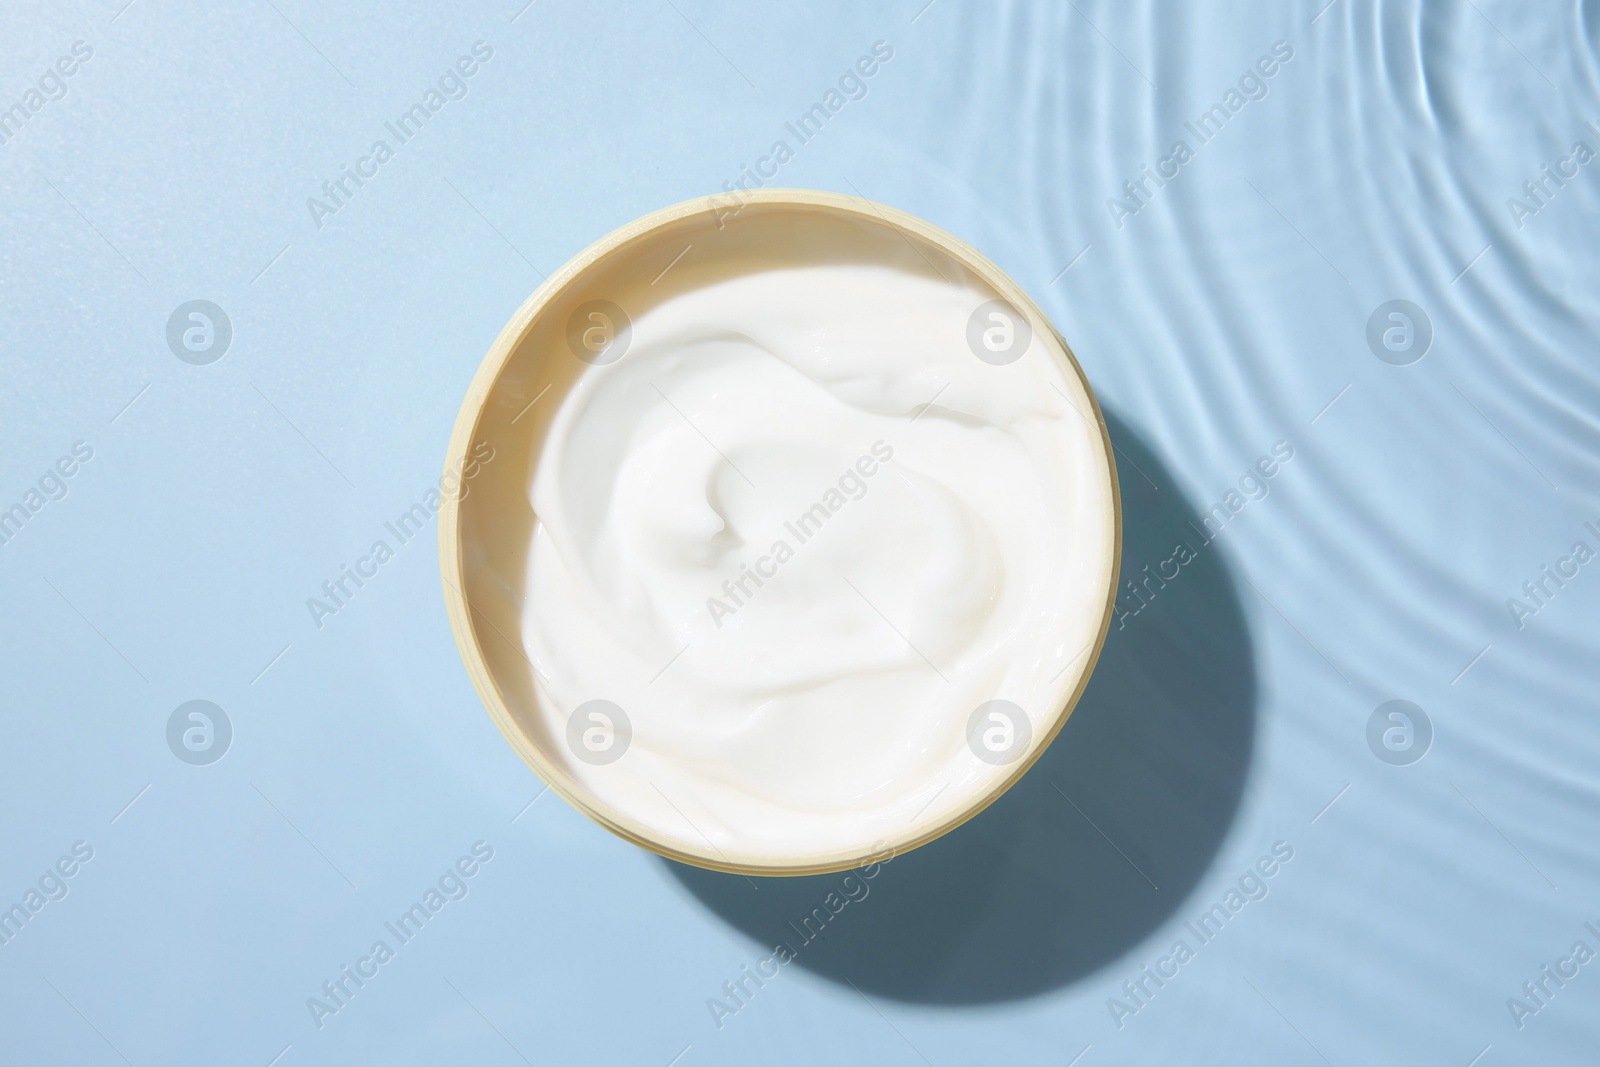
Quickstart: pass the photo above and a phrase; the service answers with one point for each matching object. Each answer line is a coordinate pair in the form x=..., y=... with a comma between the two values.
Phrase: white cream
x=822, y=705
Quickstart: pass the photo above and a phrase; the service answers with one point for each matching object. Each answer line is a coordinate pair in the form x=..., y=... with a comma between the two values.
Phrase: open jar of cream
x=801, y=537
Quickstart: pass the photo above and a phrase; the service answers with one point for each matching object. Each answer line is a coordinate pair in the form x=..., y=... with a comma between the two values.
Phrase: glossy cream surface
x=798, y=533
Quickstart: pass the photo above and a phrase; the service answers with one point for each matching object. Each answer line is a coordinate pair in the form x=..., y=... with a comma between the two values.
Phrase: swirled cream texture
x=799, y=533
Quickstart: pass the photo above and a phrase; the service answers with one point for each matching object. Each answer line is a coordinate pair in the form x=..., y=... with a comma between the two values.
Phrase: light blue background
x=1225, y=315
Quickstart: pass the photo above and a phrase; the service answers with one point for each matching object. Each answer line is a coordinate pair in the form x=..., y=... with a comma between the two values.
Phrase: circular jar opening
x=785, y=533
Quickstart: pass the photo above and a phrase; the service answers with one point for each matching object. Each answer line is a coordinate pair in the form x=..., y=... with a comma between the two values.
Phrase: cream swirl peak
x=797, y=535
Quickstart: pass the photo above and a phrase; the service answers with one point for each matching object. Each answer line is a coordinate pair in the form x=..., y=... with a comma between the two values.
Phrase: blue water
x=1220, y=314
